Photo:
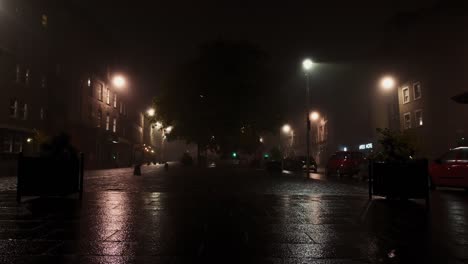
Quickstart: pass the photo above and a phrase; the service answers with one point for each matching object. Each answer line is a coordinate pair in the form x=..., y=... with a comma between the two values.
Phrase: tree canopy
x=223, y=99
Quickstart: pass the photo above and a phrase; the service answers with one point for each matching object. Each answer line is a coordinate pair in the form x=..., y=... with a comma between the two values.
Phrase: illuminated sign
x=366, y=146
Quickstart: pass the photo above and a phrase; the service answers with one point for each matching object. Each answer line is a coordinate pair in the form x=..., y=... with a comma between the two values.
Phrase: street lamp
x=387, y=83
x=314, y=116
x=169, y=129
x=151, y=112
x=286, y=129
x=307, y=65
x=119, y=81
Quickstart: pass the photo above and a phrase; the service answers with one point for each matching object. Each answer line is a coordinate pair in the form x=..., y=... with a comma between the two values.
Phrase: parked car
x=313, y=164
x=451, y=169
x=345, y=163
x=299, y=164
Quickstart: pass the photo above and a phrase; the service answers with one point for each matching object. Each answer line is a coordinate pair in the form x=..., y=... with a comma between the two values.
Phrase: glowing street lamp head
x=314, y=116
x=151, y=112
x=286, y=129
x=119, y=81
x=169, y=129
x=307, y=64
x=387, y=83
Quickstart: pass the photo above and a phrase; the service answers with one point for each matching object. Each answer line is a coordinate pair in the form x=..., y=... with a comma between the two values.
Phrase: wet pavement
x=230, y=216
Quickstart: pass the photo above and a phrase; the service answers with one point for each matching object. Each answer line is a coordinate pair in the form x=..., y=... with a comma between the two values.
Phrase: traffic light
x=266, y=156
x=234, y=155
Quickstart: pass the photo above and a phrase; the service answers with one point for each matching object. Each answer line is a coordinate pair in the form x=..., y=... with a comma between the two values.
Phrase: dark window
x=14, y=108
x=100, y=91
x=417, y=90
x=450, y=156
x=99, y=118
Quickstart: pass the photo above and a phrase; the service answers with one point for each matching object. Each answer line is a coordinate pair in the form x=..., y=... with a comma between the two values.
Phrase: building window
x=25, y=111
x=107, y=121
x=108, y=96
x=114, y=125
x=14, y=108
x=418, y=115
x=26, y=76
x=8, y=143
x=121, y=108
x=41, y=113
x=100, y=92
x=406, y=95
x=18, y=147
x=99, y=118
x=44, y=20
x=115, y=100
x=18, y=73
x=125, y=109
x=407, y=120
x=43, y=81
x=417, y=91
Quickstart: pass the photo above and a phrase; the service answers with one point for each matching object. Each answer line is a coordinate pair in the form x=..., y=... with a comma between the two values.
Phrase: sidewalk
x=202, y=216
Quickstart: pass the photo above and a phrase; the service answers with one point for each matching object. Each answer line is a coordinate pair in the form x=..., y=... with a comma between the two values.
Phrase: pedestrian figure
x=138, y=162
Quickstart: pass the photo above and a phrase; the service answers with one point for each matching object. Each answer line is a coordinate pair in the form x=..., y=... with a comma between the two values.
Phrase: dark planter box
x=407, y=180
x=275, y=167
x=44, y=176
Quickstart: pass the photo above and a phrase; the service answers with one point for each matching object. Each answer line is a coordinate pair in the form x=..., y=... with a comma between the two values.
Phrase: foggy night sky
x=156, y=36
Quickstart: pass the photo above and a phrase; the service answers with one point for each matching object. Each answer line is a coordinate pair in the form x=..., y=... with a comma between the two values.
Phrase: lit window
x=89, y=82
x=27, y=75
x=108, y=96
x=25, y=111
x=115, y=100
x=121, y=108
x=44, y=20
x=107, y=121
x=41, y=113
x=417, y=90
x=407, y=120
x=8, y=143
x=406, y=95
x=114, y=125
x=418, y=115
x=18, y=147
x=100, y=92
x=14, y=108
x=99, y=118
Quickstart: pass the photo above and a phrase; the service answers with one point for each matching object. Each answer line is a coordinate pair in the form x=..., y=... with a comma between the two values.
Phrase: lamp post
x=388, y=85
x=307, y=65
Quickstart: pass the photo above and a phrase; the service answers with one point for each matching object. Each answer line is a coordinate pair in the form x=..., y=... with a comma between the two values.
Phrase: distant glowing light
x=152, y=151
x=29, y=140
x=314, y=116
x=119, y=81
x=151, y=112
x=345, y=149
x=260, y=139
x=286, y=129
x=307, y=64
x=169, y=129
x=234, y=155
x=388, y=83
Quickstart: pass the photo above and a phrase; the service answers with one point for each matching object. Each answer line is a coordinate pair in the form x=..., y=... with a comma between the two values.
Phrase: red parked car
x=450, y=170
x=345, y=163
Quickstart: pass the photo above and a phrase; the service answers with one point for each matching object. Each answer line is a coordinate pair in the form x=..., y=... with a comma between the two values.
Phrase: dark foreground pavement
x=230, y=216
